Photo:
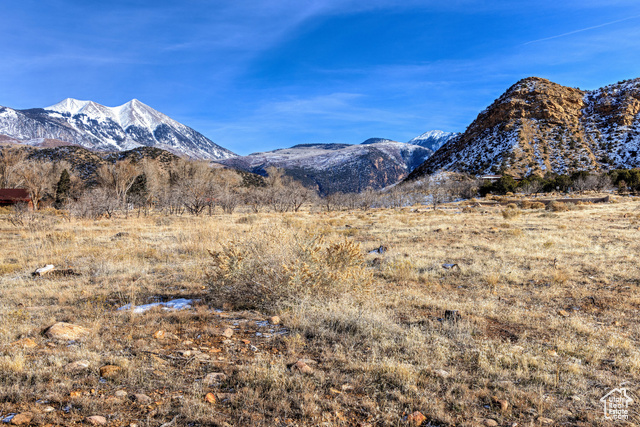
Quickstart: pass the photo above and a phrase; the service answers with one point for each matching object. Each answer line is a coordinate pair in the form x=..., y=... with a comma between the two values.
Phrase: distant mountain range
x=96, y=127
x=434, y=139
x=538, y=126
x=330, y=168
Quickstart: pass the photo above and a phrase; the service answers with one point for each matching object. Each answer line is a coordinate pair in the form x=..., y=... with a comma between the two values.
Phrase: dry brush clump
x=275, y=266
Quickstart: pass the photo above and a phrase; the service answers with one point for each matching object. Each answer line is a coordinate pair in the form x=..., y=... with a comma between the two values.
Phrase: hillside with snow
x=97, y=127
x=433, y=140
x=538, y=126
x=330, y=168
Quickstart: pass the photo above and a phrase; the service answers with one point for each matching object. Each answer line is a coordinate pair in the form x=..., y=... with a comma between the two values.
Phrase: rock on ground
x=24, y=343
x=302, y=367
x=66, y=331
x=77, y=366
x=110, y=371
x=416, y=418
x=22, y=418
x=142, y=398
x=213, y=378
x=96, y=420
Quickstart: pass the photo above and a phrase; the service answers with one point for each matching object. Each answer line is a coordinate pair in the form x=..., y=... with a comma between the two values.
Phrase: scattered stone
x=214, y=378
x=66, y=331
x=121, y=394
x=77, y=366
x=274, y=320
x=210, y=398
x=96, y=420
x=110, y=371
x=44, y=270
x=545, y=421
x=489, y=422
x=48, y=409
x=141, y=398
x=442, y=373
x=346, y=387
x=576, y=398
x=302, y=367
x=159, y=335
x=416, y=418
x=504, y=405
x=22, y=418
x=228, y=333
x=563, y=313
x=202, y=357
x=24, y=343
x=185, y=353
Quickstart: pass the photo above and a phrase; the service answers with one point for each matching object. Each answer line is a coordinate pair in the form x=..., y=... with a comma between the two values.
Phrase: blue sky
x=264, y=74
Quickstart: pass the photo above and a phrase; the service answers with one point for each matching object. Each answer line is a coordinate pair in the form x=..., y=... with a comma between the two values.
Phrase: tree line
x=197, y=188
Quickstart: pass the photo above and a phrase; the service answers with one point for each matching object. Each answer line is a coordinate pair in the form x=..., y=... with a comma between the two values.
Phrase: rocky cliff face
x=329, y=168
x=538, y=126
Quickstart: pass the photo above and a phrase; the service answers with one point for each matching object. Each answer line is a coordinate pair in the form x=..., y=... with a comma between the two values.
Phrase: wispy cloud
x=582, y=30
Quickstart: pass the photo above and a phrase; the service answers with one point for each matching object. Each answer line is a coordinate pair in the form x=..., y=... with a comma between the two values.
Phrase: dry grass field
x=547, y=301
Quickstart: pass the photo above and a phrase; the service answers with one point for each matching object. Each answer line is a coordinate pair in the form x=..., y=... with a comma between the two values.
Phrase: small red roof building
x=13, y=196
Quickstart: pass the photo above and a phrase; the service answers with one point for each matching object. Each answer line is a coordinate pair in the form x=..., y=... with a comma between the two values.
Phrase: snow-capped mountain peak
x=69, y=105
x=98, y=127
x=433, y=139
x=132, y=113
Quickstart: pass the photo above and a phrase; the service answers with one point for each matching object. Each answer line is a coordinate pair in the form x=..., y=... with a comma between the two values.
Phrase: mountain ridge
x=97, y=127
x=538, y=126
x=330, y=168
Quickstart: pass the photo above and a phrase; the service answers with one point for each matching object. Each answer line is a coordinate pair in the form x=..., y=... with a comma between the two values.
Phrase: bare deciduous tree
x=119, y=177
x=38, y=178
x=10, y=161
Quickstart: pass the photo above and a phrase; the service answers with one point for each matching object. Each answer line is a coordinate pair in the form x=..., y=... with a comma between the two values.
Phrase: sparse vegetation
x=547, y=319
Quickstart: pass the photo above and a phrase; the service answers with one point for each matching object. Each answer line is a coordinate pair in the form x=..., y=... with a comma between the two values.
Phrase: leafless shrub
x=95, y=203
x=511, y=211
x=278, y=265
x=556, y=206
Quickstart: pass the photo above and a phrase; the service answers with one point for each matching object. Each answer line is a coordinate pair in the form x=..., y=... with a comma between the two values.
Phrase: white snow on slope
x=433, y=139
x=132, y=113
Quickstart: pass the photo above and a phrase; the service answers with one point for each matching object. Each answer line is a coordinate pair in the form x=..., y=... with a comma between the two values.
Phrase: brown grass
x=548, y=306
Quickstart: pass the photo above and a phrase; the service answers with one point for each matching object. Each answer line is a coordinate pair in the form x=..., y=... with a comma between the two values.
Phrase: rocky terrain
x=330, y=168
x=538, y=126
x=99, y=128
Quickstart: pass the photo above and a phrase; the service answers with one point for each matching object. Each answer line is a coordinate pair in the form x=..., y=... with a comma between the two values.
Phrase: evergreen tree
x=62, y=188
